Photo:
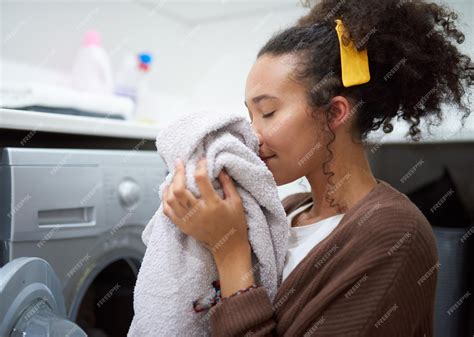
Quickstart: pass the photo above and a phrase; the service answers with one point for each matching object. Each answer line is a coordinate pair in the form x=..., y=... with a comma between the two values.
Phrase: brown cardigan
x=374, y=275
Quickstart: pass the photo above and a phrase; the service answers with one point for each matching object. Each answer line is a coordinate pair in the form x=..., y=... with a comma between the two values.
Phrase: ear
x=342, y=111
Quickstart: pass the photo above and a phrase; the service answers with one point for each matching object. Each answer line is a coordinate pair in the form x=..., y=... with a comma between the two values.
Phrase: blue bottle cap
x=145, y=58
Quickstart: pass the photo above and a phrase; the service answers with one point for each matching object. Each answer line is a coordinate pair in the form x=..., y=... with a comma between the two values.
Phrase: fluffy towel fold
x=176, y=269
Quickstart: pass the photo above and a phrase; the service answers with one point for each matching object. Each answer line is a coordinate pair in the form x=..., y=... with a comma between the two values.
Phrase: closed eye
x=268, y=114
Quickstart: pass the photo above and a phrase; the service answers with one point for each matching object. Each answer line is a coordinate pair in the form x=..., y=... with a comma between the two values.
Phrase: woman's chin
x=278, y=180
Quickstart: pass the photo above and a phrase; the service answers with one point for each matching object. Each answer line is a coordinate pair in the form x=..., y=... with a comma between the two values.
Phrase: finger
x=168, y=211
x=181, y=193
x=202, y=181
x=179, y=179
x=173, y=178
x=181, y=213
x=228, y=186
x=177, y=188
x=171, y=214
x=165, y=191
x=172, y=202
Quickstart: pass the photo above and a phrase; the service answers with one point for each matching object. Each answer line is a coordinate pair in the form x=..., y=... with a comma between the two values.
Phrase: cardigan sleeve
x=248, y=313
x=376, y=286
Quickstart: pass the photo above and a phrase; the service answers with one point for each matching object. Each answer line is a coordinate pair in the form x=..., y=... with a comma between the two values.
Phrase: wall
x=203, y=49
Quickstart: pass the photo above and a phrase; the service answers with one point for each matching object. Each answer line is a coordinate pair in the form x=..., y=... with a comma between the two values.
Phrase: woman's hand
x=220, y=224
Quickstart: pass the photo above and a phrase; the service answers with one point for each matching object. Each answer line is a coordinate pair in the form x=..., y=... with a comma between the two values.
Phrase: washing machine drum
x=31, y=301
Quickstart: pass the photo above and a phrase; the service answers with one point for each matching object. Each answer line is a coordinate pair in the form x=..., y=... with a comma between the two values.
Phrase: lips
x=267, y=157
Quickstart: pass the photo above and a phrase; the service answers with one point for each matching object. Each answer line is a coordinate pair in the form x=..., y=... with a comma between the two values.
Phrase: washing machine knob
x=129, y=193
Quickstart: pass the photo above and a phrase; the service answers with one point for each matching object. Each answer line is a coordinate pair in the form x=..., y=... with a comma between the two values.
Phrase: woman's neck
x=352, y=180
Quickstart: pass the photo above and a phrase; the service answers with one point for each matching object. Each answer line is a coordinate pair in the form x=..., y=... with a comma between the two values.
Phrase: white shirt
x=303, y=238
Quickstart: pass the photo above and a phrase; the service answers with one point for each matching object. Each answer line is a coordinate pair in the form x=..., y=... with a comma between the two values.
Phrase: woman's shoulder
x=391, y=217
x=390, y=205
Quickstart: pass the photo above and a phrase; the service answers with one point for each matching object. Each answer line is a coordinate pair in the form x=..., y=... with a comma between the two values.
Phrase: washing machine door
x=31, y=301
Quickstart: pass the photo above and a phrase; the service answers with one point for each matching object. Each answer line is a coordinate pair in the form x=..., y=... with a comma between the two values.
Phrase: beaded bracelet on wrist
x=200, y=305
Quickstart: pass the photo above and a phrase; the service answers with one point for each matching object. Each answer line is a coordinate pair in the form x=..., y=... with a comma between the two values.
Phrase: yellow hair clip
x=354, y=63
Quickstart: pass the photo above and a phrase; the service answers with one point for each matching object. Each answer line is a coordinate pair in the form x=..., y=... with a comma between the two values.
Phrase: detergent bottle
x=132, y=75
x=92, y=71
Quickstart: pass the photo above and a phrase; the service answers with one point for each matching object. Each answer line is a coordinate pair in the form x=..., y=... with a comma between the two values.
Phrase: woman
x=362, y=258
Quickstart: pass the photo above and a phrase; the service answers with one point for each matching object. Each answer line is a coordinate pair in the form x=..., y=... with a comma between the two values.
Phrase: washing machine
x=70, y=233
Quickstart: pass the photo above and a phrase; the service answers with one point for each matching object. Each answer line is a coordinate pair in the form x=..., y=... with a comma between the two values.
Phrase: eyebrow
x=260, y=98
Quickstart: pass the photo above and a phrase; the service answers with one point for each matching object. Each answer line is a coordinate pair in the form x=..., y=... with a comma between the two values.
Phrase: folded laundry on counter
x=176, y=269
x=51, y=98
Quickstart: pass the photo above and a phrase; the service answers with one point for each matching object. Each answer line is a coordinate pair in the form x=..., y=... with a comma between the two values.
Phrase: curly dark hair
x=414, y=62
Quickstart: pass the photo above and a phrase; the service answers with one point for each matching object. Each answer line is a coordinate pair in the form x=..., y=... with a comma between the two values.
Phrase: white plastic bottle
x=132, y=75
x=92, y=71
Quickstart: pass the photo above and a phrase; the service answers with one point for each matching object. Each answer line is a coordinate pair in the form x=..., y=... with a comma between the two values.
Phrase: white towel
x=176, y=269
